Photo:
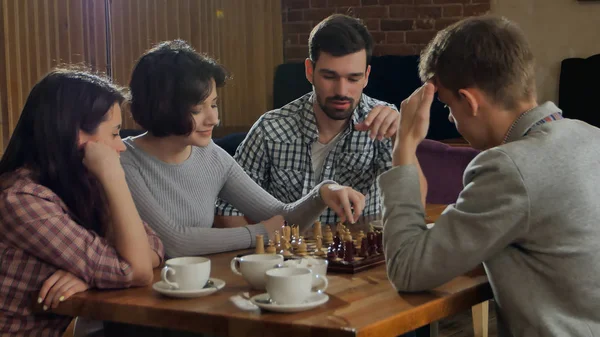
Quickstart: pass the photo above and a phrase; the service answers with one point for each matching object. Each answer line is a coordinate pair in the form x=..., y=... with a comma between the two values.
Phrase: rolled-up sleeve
x=155, y=243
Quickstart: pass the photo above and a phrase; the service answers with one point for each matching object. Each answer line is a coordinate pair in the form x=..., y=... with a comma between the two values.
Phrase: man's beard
x=334, y=113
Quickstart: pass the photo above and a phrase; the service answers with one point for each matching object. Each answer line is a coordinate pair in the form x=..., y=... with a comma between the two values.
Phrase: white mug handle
x=324, y=281
x=234, y=265
x=164, y=276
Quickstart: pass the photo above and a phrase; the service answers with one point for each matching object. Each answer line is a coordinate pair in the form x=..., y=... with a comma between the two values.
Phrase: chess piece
x=347, y=235
x=277, y=238
x=287, y=233
x=270, y=248
x=364, y=248
x=359, y=237
x=336, y=243
x=317, y=230
x=301, y=249
x=319, y=250
x=372, y=243
x=348, y=251
x=331, y=253
x=285, y=244
x=379, y=240
x=277, y=241
x=260, y=244
x=340, y=229
x=328, y=237
x=286, y=253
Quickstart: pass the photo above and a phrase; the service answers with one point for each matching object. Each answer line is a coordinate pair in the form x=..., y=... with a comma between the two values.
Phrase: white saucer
x=313, y=301
x=166, y=290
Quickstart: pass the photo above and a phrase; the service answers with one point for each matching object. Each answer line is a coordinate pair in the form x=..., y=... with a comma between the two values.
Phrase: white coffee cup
x=253, y=267
x=186, y=273
x=291, y=285
x=317, y=266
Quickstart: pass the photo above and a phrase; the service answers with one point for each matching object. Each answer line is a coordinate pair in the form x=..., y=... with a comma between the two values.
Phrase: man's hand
x=382, y=122
x=414, y=123
x=342, y=200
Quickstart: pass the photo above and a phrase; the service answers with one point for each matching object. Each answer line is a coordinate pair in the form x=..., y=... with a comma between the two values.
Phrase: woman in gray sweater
x=176, y=173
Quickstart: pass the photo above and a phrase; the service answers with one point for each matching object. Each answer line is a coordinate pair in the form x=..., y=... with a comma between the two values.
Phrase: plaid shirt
x=277, y=155
x=38, y=238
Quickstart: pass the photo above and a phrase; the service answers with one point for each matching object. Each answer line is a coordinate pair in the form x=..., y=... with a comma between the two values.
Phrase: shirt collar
x=525, y=123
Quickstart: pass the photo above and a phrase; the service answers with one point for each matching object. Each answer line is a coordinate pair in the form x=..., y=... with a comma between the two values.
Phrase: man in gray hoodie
x=529, y=208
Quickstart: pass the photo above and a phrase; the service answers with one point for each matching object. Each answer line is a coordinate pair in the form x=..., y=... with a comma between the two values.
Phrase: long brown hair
x=45, y=139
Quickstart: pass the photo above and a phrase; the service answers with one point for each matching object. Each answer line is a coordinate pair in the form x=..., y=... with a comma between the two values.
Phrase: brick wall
x=399, y=27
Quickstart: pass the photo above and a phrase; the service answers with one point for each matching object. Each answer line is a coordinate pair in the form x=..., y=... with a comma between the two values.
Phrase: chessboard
x=349, y=248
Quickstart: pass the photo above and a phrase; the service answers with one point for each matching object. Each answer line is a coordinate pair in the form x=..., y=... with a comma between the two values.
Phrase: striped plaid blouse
x=38, y=238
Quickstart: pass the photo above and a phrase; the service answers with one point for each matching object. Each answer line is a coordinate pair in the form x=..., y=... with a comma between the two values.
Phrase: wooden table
x=363, y=304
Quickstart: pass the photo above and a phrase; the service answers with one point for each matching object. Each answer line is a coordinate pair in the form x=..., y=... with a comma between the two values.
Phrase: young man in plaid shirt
x=334, y=132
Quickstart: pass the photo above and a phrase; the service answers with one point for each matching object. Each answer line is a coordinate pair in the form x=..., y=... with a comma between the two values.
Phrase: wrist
x=405, y=153
x=112, y=176
x=321, y=190
x=319, y=194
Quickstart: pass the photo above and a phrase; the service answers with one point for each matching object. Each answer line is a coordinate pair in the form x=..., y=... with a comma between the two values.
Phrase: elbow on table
x=403, y=279
x=142, y=277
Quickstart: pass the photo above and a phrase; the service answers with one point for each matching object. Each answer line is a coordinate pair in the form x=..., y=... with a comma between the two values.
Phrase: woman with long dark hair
x=67, y=218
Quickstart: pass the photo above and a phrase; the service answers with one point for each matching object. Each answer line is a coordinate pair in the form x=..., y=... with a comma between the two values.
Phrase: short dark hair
x=46, y=139
x=487, y=52
x=340, y=35
x=167, y=81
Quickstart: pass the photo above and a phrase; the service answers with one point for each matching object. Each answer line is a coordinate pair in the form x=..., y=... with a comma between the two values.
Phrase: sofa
x=579, y=89
x=443, y=166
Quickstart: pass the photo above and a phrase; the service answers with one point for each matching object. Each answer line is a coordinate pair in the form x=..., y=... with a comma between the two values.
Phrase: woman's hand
x=60, y=286
x=102, y=161
x=342, y=200
x=273, y=224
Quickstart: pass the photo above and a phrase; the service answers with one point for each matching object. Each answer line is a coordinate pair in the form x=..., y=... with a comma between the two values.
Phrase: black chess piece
x=348, y=251
x=379, y=240
x=336, y=243
x=331, y=252
x=364, y=248
x=372, y=243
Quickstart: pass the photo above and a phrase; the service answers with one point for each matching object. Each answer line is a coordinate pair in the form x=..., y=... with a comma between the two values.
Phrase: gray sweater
x=529, y=211
x=178, y=200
